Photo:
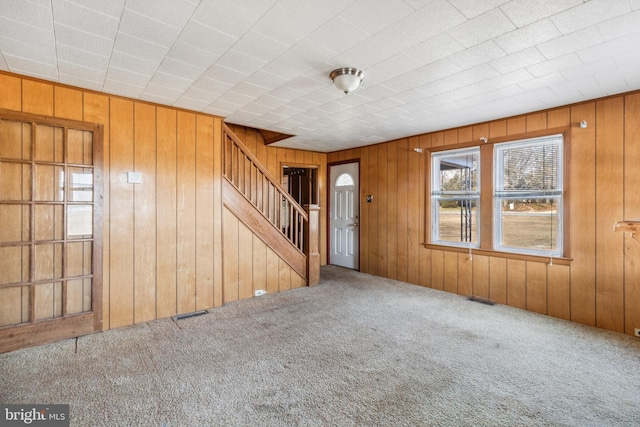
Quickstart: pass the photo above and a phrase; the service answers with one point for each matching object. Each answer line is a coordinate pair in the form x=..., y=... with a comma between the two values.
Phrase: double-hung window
x=455, y=196
x=521, y=190
x=528, y=192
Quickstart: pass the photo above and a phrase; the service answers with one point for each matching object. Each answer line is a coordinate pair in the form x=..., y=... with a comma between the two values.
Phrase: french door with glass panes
x=50, y=232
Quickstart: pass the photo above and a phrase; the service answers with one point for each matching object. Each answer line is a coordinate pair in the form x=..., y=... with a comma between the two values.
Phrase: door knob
x=355, y=224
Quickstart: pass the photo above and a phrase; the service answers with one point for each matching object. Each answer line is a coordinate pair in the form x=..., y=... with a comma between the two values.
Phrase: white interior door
x=343, y=216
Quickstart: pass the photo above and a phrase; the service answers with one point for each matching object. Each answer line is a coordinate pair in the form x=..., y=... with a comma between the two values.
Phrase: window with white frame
x=455, y=197
x=527, y=188
x=528, y=196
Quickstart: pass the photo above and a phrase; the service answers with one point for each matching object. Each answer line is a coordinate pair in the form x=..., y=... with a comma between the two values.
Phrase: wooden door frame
x=13, y=337
x=328, y=211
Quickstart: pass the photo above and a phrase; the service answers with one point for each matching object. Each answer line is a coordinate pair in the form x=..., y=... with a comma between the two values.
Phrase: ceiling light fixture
x=347, y=79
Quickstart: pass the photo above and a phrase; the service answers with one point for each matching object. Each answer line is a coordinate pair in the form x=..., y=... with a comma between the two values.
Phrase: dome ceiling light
x=347, y=79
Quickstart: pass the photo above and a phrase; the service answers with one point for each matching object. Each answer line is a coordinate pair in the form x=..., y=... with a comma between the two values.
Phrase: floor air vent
x=189, y=315
x=481, y=300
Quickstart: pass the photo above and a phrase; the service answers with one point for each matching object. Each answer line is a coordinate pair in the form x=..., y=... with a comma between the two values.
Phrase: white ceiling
x=429, y=64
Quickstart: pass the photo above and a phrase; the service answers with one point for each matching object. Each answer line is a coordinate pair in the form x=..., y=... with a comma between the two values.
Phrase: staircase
x=264, y=206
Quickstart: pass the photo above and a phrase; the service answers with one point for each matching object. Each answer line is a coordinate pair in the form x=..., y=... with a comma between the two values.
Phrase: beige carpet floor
x=357, y=350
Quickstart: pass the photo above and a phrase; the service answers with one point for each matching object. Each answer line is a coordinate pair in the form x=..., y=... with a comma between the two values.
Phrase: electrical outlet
x=637, y=332
x=259, y=293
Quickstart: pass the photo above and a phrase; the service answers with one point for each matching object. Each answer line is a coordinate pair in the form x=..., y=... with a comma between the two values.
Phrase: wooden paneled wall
x=600, y=287
x=163, y=241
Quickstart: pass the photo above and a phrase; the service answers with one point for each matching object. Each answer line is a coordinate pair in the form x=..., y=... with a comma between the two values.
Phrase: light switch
x=134, y=177
x=369, y=198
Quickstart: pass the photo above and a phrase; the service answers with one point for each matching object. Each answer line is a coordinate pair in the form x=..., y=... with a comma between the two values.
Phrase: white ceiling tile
x=593, y=69
x=206, y=38
x=309, y=53
x=543, y=82
x=15, y=30
x=240, y=62
x=260, y=46
x=118, y=87
x=192, y=55
x=620, y=26
x=83, y=19
x=28, y=13
x=80, y=71
x=588, y=14
x=528, y=36
x=473, y=8
x=212, y=86
x=381, y=45
x=251, y=90
x=265, y=79
x=141, y=48
x=525, y=12
x=81, y=57
x=112, y=8
x=177, y=68
x=555, y=65
x=435, y=49
x=133, y=63
x=395, y=66
x=173, y=81
x=225, y=75
x=517, y=60
x=158, y=99
x=375, y=15
x=154, y=89
x=478, y=54
x=3, y=64
x=31, y=68
x=338, y=35
x=128, y=77
x=570, y=43
x=284, y=26
x=32, y=52
x=440, y=16
x=436, y=71
x=191, y=104
x=257, y=6
x=79, y=82
x=82, y=40
x=175, y=13
x=317, y=12
x=225, y=16
x=482, y=28
x=145, y=28
x=609, y=49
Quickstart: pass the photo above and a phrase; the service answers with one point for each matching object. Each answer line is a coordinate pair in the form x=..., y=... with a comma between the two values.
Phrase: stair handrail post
x=312, y=243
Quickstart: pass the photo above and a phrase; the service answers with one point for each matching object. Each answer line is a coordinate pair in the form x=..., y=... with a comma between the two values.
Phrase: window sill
x=498, y=254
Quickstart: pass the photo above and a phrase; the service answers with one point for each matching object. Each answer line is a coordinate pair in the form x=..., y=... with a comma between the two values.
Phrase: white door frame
x=351, y=233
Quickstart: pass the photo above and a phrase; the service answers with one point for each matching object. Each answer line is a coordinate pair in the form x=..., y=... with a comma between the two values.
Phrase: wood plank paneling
x=166, y=221
x=37, y=97
x=259, y=265
x=583, y=221
x=609, y=209
x=67, y=103
x=230, y=248
x=536, y=287
x=121, y=213
x=558, y=295
x=245, y=262
x=481, y=276
x=381, y=209
x=516, y=283
x=437, y=270
x=465, y=274
x=186, y=213
x=10, y=92
x=498, y=280
x=205, y=208
x=392, y=210
x=450, y=272
x=217, y=213
x=402, y=210
x=631, y=210
x=145, y=213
